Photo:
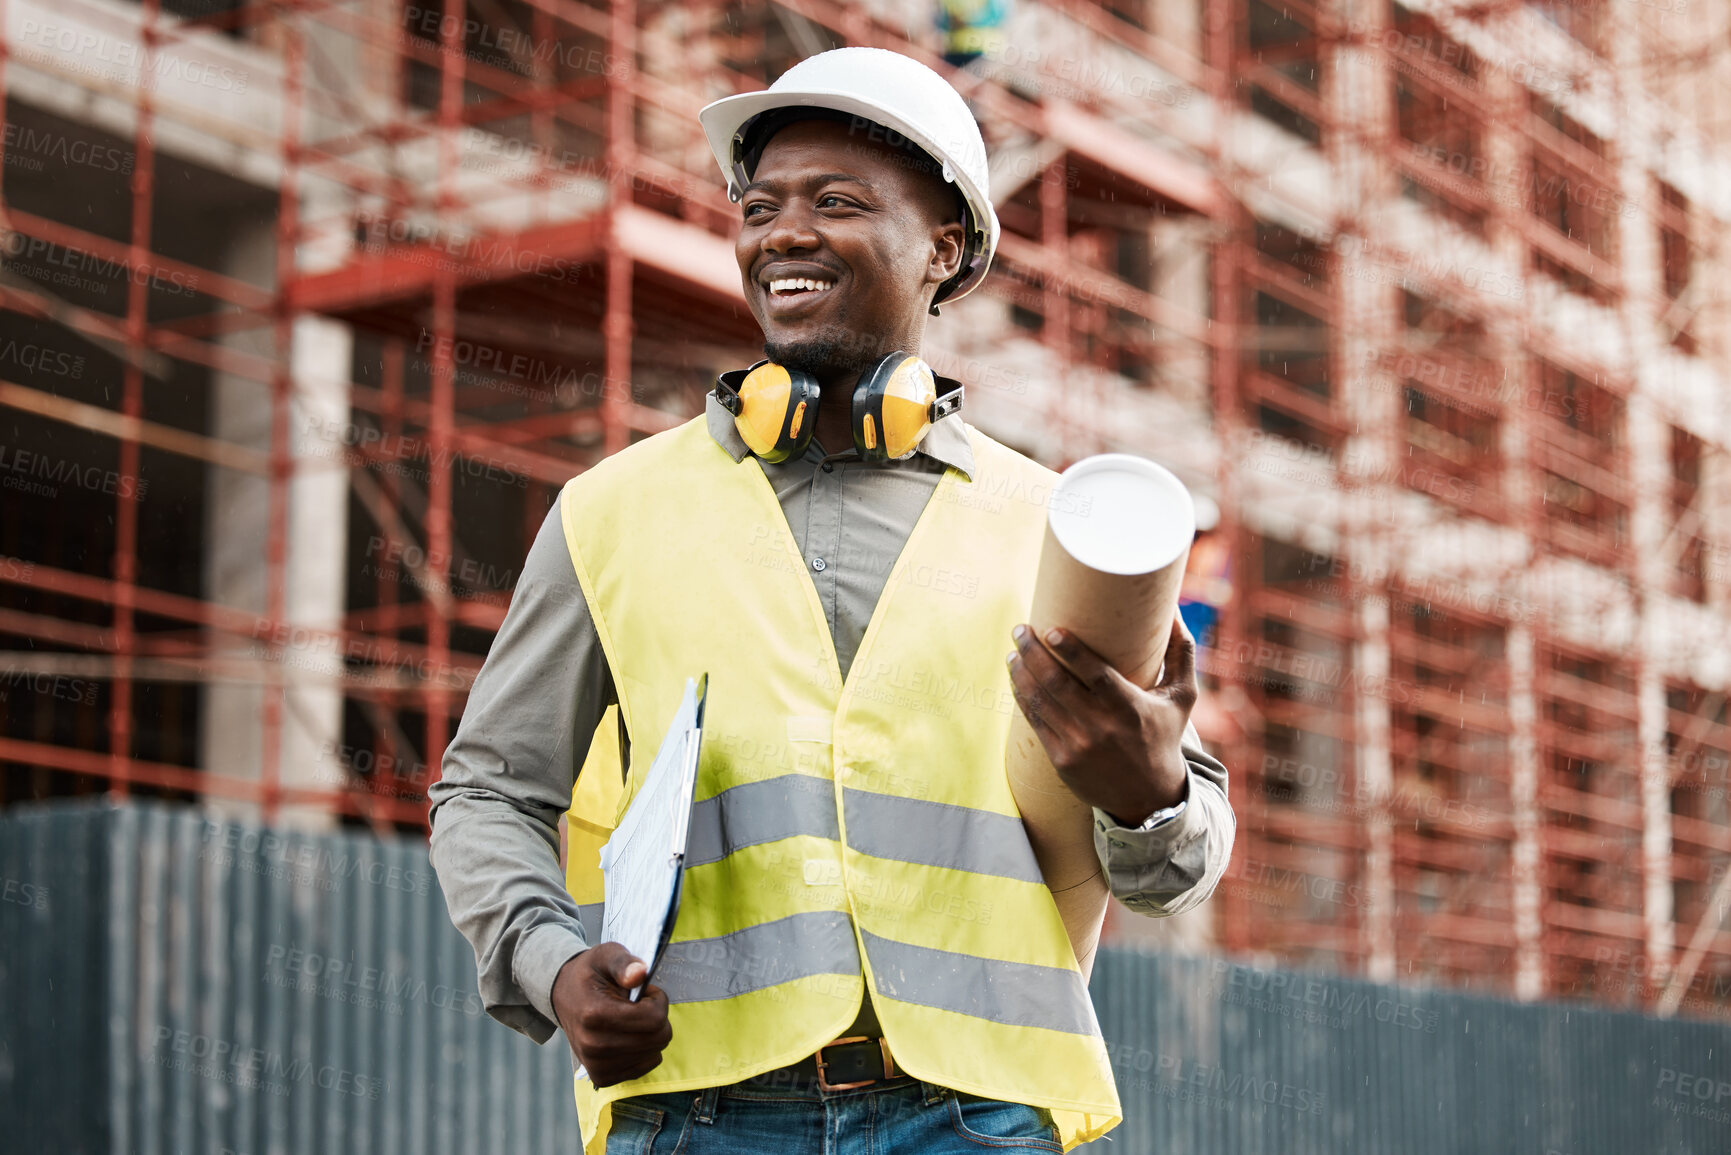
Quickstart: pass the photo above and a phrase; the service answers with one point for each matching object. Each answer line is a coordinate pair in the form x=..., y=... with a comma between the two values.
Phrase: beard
x=831, y=352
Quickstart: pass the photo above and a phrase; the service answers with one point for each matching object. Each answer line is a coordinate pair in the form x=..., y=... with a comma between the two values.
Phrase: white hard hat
x=887, y=88
x=1207, y=512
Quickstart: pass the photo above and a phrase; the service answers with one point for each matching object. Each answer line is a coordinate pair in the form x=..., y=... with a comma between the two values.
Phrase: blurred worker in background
x=1207, y=584
x=972, y=29
x=866, y=958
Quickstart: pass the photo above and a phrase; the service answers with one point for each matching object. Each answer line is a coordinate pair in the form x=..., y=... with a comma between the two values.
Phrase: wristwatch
x=1162, y=817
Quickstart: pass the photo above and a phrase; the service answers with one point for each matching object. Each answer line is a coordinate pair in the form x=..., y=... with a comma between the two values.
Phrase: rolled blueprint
x=1117, y=533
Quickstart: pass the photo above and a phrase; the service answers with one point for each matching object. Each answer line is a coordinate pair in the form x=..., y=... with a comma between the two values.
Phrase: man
x=863, y=875
x=972, y=29
x=1207, y=584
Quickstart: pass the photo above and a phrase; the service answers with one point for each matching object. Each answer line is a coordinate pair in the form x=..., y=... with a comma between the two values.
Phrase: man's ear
x=947, y=243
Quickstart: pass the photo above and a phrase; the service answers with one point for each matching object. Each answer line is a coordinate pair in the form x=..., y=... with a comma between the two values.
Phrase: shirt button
x=818, y=564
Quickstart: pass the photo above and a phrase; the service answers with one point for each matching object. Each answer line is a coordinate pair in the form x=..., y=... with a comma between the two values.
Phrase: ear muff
x=894, y=404
x=774, y=408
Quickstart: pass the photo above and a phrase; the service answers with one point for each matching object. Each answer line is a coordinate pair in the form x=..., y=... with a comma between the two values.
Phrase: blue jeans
x=890, y=1117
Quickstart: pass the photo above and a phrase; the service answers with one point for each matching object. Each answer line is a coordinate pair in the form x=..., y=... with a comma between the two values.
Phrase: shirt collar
x=946, y=441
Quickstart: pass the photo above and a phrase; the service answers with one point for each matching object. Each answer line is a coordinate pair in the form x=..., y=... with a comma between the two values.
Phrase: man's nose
x=792, y=231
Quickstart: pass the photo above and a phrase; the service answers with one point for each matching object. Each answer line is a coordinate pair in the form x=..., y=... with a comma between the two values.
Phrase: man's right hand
x=614, y=1038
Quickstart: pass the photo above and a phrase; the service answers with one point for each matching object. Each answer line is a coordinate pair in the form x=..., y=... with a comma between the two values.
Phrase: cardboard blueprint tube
x=1118, y=531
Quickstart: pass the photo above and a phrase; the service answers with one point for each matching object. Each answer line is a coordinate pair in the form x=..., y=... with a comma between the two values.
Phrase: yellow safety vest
x=843, y=832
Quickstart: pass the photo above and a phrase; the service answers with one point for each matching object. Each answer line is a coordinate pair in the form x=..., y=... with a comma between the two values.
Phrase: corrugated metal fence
x=1212, y=1057
x=170, y=984
x=174, y=985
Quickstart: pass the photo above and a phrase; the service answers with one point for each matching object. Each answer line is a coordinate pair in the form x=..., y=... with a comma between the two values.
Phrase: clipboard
x=643, y=863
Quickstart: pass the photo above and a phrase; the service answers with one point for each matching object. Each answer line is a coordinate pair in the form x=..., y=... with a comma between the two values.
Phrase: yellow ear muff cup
x=763, y=414
x=906, y=406
x=892, y=407
x=774, y=409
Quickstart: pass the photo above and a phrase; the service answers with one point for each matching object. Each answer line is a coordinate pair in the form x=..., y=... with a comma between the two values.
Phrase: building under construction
x=308, y=308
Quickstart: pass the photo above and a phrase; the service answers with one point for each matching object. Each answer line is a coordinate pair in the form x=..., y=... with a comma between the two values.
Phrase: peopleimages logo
x=25, y=142
x=112, y=56
x=376, y=767
x=35, y=358
x=1175, y=1076
x=969, y=153
x=1084, y=75
x=221, y=1060
x=24, y=893
x=346, y=981
x=436, y=24
x=464, y=248
x=384, y=555
x=1265, y=883
x=1318, y=1001
x=58, y=686
x=378, y=447
x=1704, y=1096
x=18, y=466
x=310, y=857
x=16, y=246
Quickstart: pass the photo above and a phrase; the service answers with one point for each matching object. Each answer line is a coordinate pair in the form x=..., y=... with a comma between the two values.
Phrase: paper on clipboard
x=642, y=862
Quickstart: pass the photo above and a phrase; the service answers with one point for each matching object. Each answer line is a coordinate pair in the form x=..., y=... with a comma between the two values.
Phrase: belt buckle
x=822, y=1064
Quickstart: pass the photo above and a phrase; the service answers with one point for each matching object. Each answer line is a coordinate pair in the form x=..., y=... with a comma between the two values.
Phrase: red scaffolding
x=510, y=207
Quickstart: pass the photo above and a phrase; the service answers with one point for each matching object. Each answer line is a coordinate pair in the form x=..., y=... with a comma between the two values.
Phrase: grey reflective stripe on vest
x=590, y=914
x=818, y=942
x=1015, y=994
x=755, y=812
x=938, y=834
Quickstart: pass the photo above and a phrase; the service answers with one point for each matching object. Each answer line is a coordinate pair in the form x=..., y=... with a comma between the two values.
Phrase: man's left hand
x=1115, y=745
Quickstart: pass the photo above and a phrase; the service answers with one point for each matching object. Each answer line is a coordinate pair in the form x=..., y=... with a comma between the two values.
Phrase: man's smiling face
x=842, y=246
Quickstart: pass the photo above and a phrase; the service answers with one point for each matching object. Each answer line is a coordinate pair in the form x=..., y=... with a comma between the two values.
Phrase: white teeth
x=795, y=284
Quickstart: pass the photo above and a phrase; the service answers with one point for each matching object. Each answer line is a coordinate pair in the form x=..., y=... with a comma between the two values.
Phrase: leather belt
x=854, y=1061
x=844, y=1064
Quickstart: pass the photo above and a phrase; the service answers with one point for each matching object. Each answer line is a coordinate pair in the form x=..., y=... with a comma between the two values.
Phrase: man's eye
x=825, y=201
x=751, y=209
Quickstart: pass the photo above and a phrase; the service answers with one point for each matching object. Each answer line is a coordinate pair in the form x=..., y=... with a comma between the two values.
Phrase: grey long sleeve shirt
x=509, y=771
